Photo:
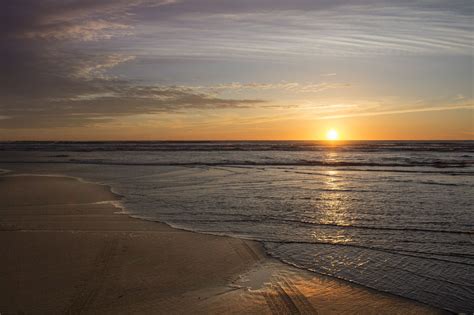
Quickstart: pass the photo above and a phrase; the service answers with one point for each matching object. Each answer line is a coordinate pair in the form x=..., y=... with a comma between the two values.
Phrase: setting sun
x=332, y=135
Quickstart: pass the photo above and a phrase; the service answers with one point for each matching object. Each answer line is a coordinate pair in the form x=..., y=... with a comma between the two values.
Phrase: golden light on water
x=332, y=134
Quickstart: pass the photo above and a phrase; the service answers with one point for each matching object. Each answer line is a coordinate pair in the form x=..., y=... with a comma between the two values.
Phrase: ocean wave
x=4, y=171
x=409, y=253
x=252, y=219
x=432, y=164
x=345, y=146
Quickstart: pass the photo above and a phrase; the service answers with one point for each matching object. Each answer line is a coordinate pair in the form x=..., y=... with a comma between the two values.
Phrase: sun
x=332, y=134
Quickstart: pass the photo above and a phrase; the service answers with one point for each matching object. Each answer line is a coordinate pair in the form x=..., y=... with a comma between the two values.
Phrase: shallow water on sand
x=393, y=216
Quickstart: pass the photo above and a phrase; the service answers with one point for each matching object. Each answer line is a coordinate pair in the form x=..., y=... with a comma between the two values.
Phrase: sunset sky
x=250, y=69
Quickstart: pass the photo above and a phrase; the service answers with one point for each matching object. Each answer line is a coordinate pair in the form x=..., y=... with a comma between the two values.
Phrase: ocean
x=395, y=216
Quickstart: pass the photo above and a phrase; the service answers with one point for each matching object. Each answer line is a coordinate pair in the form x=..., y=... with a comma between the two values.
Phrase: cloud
x=469, y=105
x=45, y=83
x=292, y=29
x=115, y=101
x=92, y=68
x=83, y=20
x=56, y=56
x=294, y=87
x=186, y=7
x=84, y=31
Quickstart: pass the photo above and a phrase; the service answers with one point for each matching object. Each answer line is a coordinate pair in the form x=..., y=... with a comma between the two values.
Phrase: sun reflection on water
x=334, y=209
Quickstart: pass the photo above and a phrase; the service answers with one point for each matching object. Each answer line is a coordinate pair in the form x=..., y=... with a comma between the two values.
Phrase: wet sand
x=67, y=249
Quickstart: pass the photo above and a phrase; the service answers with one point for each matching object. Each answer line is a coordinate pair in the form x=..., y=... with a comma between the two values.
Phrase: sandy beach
x=66, y=248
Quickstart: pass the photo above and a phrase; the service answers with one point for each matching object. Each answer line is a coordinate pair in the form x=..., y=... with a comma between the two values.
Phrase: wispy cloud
x=92, y=30
x=97, y=67
x=362, y=28
x=72, y=20
x=46, y=82
x=294, y=87
x=469, y=105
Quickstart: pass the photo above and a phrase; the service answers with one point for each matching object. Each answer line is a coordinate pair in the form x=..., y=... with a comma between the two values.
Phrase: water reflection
x=278, y=289
x=334, y=208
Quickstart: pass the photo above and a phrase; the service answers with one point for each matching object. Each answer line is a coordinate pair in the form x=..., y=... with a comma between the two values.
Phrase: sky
x=232, y=70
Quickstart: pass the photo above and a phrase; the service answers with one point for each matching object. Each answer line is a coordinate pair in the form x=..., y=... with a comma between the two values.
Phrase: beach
x=237, y=157
x=67, y=248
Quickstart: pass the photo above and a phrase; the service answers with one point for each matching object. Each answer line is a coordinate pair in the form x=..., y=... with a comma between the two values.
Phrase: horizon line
x=238, y=140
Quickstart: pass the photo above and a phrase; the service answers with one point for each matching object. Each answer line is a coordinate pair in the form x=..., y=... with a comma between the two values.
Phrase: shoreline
x=243, y=277
x=268, y=256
